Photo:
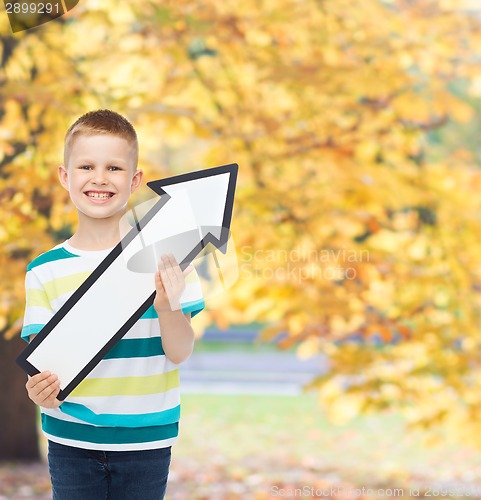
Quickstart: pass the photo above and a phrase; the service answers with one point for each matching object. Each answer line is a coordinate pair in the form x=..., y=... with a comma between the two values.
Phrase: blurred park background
x=357, y=226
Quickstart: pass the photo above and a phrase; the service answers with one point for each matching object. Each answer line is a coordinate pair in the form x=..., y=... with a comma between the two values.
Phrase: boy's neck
x=99, y=234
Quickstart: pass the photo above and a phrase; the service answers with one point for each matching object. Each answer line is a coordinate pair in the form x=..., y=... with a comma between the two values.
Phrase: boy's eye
x=89, y=167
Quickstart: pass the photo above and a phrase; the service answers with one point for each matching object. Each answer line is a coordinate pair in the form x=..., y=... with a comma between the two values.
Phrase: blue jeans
x=79, y=474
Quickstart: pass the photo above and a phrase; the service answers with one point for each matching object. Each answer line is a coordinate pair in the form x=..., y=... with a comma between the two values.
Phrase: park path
x=252, y=371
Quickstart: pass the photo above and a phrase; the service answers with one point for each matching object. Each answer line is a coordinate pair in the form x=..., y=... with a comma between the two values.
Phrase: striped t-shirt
x=130, y=400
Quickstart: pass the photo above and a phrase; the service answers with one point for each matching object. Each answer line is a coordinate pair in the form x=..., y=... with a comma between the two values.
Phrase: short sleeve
x=192, y=300
x=38, y=310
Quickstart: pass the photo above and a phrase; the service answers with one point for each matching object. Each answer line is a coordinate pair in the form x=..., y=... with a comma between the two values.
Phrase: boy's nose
x=99, y=178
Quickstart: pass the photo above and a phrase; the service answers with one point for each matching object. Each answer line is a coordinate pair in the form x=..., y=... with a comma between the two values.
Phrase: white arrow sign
x=194, y=210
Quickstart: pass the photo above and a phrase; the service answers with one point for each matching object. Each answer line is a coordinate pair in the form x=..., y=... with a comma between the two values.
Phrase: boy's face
x=101, y=175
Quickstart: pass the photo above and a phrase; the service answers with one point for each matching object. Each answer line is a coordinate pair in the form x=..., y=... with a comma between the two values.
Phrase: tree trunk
x=18, y=415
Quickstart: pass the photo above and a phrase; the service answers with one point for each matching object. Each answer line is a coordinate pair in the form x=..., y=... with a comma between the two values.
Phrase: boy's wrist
x=168, y=313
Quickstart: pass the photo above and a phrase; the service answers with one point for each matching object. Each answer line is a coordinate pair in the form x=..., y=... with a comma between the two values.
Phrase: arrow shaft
x=86, y=328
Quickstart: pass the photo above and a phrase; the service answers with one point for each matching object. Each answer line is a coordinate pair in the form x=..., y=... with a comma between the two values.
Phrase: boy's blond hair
x=102, y=121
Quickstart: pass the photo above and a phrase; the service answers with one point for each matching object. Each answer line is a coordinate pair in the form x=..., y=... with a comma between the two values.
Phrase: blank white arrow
x=122, y=288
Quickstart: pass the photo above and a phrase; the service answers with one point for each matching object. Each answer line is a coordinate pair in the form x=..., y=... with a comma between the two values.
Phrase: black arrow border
x=156, y=186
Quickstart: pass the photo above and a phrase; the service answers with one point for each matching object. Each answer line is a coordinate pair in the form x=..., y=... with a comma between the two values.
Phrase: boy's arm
x=177, y=333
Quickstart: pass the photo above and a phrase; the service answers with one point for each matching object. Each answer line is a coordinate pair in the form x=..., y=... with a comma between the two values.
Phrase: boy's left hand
x=169, y=284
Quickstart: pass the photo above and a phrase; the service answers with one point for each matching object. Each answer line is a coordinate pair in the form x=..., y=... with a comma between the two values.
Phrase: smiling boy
x=111, y=438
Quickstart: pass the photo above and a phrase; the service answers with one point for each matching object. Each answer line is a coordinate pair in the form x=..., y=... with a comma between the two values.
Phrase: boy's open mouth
x=99, y=195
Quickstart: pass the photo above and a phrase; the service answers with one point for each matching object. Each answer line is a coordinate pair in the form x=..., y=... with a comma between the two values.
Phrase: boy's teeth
x=99, y=195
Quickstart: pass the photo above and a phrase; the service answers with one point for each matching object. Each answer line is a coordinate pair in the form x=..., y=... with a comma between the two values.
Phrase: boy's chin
x=101, y=214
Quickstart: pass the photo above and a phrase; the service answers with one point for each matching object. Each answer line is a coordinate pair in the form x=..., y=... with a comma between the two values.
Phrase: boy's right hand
x=43, y=389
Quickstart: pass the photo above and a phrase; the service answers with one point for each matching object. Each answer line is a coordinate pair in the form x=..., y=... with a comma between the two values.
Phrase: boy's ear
x=63, y=176
x=136, y=180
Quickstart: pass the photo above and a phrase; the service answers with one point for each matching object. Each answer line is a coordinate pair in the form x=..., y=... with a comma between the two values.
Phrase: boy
x=111, y=438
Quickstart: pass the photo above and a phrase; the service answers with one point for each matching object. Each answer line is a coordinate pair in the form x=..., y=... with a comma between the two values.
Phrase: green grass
x=280, y=431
